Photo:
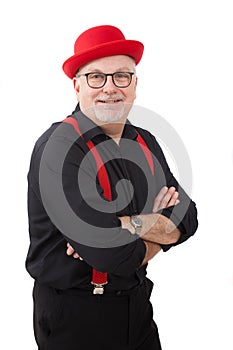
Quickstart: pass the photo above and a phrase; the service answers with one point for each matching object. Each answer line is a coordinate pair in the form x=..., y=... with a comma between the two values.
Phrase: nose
x=109, y=86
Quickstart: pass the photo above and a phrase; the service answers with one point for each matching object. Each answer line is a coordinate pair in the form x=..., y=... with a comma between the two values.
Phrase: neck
x=113, y=130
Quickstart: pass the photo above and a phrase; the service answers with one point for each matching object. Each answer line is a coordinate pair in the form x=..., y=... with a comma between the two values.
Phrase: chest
x=133, y=185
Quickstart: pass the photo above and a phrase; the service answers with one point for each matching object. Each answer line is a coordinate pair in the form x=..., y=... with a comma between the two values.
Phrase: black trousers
x=75, y=320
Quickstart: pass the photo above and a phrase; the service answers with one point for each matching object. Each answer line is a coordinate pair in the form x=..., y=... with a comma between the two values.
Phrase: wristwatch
x=136, y=222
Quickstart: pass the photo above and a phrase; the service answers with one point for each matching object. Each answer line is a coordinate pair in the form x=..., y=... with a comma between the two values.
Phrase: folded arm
x=156, y=228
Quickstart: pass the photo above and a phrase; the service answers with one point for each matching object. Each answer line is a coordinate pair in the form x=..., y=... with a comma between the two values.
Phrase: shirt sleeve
x=184, y=214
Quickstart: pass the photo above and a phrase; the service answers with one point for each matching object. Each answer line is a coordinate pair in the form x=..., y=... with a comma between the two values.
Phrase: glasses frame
x=105, y=80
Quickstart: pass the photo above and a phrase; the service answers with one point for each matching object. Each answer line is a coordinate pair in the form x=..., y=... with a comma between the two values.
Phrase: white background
x=186, y=76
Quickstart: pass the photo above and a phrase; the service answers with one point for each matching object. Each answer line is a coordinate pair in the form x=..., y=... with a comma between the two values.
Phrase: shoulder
x=148, y=137
x=59, y=140
x=143, y=132
x=46, y=135
x=152, y=143
x=58, y=132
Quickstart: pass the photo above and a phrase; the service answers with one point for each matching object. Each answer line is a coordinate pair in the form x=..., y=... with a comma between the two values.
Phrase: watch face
x=137, y=221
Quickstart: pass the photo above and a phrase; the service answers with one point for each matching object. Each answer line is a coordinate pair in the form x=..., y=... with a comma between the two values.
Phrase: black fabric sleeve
x=184, y=214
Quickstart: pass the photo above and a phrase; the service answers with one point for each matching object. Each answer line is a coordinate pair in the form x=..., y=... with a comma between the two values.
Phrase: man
x=100, y=190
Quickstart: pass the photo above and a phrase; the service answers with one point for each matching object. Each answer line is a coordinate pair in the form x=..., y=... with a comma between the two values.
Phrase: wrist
x=126, y=224
x=136, y=222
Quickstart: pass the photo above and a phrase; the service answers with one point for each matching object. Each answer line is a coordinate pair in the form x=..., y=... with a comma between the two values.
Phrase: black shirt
x=97, y=236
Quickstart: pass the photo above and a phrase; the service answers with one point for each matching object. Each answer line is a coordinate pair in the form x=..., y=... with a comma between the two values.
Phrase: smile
x=109, y=101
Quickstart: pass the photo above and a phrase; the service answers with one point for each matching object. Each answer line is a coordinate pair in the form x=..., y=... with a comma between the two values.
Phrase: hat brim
x=131, y=48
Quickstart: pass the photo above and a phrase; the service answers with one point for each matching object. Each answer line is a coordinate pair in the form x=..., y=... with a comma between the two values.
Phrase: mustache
x=115, y=97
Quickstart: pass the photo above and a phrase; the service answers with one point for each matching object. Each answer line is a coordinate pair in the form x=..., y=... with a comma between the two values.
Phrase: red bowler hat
x=101, y=41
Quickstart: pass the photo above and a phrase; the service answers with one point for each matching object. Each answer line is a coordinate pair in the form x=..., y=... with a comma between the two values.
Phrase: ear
x=76, y=86
x=135, y=87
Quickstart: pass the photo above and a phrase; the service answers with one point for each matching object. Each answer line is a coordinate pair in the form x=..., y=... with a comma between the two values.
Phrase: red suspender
x=74, y=123
x=101, y=171
x=99, y=279
x=147, y=153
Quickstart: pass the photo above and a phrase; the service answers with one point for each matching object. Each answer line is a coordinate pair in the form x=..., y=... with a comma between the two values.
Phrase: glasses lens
x=96, y=79
x=122, y=79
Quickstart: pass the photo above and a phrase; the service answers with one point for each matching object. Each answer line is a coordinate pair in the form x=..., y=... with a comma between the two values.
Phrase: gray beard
x=108, y=115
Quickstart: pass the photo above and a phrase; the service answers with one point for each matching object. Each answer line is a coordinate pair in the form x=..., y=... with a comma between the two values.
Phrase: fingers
x=167, y=197
x=159, y=198
x=170, y=198
x=76, y=256
x=70, y=251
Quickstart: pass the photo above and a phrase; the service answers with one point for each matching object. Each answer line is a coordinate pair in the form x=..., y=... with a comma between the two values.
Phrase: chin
x=110, y=115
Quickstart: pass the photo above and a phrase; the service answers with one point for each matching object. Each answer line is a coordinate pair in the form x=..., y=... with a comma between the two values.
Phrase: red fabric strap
x=147, y=153
x=98, y=278
x=74, y=123
x=101, y=171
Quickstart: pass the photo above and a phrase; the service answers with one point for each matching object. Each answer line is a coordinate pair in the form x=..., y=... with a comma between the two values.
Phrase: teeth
x=109, y=101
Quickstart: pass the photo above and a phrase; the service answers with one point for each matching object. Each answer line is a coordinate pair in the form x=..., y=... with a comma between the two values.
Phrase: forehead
x=113, y=63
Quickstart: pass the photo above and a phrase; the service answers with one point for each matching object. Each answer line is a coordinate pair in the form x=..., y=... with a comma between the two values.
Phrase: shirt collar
x=91, y=130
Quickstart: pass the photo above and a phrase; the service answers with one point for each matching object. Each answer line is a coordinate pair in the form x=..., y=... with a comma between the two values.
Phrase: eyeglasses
x=97, y=80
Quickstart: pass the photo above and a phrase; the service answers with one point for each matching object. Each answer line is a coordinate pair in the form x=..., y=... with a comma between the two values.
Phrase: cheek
x=131, y=96
x=86, y=98
x=132, y=92
x=134, y=95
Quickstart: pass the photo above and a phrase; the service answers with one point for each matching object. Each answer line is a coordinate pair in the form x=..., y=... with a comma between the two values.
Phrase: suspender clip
x=98, y=289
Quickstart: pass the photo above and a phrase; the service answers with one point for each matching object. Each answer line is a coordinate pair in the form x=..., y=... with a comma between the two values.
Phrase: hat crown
x=97, y=36
x=98, y=42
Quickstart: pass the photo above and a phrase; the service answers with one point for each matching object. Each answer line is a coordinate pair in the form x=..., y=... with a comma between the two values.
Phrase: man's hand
x=166, y=197
x=157, y=228
x=70, y=251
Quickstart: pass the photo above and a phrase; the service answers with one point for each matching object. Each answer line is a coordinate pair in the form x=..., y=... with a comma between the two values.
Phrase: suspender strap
x=75, y=125
x=99, y=279
x=101, y=171
x=147, y=153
